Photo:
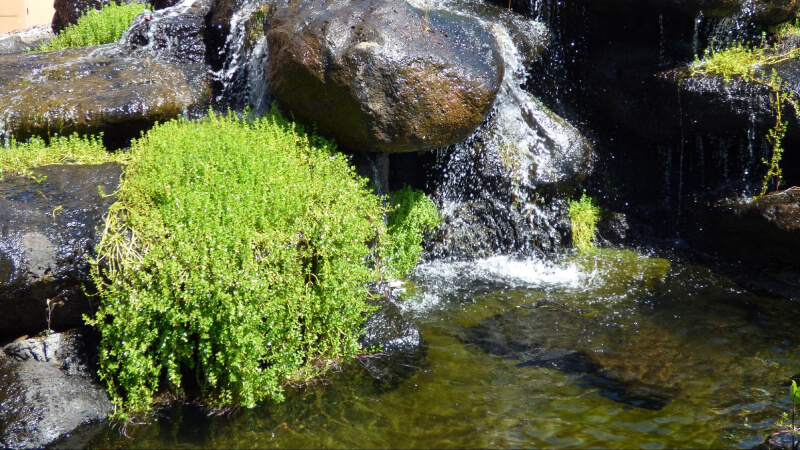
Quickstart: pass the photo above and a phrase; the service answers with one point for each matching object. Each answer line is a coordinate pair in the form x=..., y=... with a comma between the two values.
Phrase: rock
x=47, y=389
x=96, y=89
x=401, y=346
x=760, y=232
x=780, y=440
x=379, y=76
x=25, y=40
x=12, y=44
x=767, y=12
x=635, y=367
x=48, y=229
x=69, y=11
x=175, y=34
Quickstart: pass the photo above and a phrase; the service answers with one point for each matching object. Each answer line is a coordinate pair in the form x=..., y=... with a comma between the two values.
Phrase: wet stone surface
x=95, y=89
x=48, y=388
x=383, y=76
x=48, y=229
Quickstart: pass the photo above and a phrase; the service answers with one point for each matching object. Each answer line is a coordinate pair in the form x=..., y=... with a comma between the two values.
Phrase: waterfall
x=496, y=187
x=243, y=76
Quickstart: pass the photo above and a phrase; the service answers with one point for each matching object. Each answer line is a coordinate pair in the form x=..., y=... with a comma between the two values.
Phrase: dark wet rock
x=161, y=4
x=47, y=389
x=761, y=232
x=370, y=74
x=175, y=34
x=48, y=229
x=614, y=228
x=69, y=11
x=375, y=168
x=95, y=89
x=399, y=341
x=780, y=440
x=633, y=366
x=768, y=12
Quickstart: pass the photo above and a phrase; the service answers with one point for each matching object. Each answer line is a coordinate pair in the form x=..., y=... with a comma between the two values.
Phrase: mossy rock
x=93, y=90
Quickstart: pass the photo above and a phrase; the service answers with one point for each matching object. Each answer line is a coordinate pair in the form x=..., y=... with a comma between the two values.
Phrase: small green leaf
x=794, y=394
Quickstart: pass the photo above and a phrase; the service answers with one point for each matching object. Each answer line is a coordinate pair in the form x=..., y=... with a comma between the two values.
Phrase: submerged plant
x=413, y=215
x=96, y=27
x=234, y=261
x=584, y=216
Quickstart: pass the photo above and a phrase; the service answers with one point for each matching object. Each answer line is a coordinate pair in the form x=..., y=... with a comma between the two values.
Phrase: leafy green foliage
x=583, y=215
x=96, y=27
x=749, y=63
x=741, y=60
x=235, y=260
x=413, y=215
x=20, y=158
x=794, y=393
x=780, y=97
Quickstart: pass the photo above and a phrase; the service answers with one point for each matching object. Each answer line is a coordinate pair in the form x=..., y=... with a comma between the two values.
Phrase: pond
x=613, y=350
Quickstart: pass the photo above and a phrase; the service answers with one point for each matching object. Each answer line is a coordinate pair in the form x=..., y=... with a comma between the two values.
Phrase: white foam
x=439, y=280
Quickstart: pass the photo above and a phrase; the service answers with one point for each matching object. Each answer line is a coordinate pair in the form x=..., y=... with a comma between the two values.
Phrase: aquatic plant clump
x=413, y=215
x=19, y=158
x=583, y=215
x=96, y=27
x=235, y=260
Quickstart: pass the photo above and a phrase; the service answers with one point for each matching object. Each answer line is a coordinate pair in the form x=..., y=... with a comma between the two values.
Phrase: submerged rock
x=383, y=76
x=95, y=89
x=398, y=342
x=48, y=229
x=47, y=389
x=636, y=366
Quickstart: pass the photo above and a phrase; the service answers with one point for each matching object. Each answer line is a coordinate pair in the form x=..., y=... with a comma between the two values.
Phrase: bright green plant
x=794, y=396
x=19, y=158
x=96, y=27
x=235, y=260
x=749, y=63
x=584, y=215
x=740, y=60
x=413, y=214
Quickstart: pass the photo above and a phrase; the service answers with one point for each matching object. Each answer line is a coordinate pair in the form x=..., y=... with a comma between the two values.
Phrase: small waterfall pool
x=614, y=350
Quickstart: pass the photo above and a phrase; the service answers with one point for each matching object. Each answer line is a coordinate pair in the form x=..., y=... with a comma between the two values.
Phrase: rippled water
x=616, y=351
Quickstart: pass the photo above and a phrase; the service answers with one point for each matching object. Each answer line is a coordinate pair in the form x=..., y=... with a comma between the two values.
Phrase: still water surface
x=616, y=350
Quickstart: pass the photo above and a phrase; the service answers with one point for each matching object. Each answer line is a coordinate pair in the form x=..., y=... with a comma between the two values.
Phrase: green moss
x=96, y=27
x=583, y=215
x=235, y=261
x=19, y=158
x=413, y=214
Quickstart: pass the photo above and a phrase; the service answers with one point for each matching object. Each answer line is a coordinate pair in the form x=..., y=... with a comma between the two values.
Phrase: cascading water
x=242, y=76
x=496, y=187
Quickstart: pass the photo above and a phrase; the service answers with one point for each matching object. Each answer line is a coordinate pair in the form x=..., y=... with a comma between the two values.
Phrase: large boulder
x=96, y=89
x=383, y=76
x=47, y=389
x=48, y=229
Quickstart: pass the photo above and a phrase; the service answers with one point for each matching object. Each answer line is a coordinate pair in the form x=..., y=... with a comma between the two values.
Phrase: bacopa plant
x=235, y=260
